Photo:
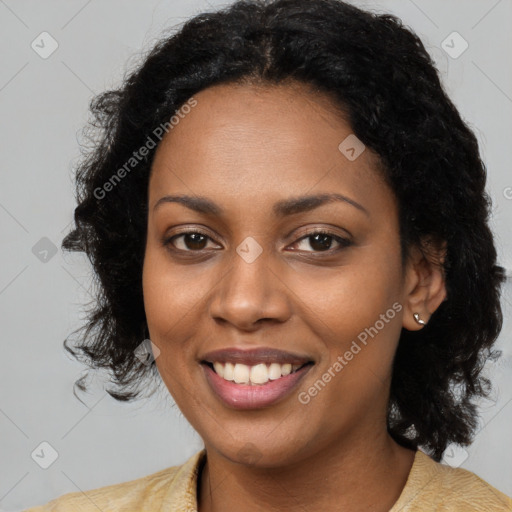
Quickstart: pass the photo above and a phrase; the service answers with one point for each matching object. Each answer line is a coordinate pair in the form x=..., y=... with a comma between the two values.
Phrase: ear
x=425, y=285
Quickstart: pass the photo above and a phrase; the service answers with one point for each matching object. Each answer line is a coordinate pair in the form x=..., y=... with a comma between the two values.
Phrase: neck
x=354, y=475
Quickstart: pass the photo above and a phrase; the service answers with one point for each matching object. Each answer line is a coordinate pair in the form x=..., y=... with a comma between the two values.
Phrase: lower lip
x=246, y=396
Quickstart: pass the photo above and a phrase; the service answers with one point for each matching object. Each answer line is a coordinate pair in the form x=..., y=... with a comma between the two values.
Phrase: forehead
x=262, y=140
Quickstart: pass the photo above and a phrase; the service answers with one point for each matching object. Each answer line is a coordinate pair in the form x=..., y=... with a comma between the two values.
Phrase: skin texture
x=246, y=147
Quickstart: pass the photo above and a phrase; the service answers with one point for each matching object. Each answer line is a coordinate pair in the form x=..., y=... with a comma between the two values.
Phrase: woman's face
x=257, y=277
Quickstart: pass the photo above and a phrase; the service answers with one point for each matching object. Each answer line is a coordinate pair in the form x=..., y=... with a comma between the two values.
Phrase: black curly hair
x=380, y=75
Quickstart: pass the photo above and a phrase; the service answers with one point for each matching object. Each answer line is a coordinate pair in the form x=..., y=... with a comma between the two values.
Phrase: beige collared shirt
x=430, y=487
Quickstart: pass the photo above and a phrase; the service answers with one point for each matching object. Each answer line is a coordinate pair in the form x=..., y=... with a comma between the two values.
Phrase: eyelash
x=343, y=242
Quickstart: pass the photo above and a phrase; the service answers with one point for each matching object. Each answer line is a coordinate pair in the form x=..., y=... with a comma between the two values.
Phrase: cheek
x=169, y=292
x=355, y=310
x=174, y=298
x=165, y=306
x=166, y=303
x=354, y=296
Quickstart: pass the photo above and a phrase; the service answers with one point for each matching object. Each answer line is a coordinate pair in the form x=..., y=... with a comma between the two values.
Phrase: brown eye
x=322, y=241
x=190, y=241
x=194, y=241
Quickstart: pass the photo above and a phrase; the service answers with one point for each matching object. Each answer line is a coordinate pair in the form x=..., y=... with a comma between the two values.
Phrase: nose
x=250, y=294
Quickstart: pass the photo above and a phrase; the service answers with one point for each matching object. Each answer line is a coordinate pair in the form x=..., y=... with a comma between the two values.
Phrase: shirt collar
x=181, y=495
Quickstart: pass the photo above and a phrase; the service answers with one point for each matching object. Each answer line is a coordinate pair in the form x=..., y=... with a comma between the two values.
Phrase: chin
x=260, y=454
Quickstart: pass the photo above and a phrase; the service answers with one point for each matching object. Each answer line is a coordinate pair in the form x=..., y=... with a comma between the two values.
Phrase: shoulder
x=435, y=486
x=125, y=493
x=142, y=494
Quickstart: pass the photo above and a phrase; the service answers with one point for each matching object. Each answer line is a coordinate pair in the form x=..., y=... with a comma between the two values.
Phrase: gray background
x=43, y=107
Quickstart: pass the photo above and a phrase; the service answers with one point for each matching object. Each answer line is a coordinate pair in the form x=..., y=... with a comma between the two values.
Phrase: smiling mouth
x=254, y=375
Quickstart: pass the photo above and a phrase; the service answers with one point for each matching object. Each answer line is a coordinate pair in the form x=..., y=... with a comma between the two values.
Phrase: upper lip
x=254, y=356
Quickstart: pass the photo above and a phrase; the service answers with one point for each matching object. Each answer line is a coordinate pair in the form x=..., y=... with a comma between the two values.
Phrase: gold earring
x=418, y=319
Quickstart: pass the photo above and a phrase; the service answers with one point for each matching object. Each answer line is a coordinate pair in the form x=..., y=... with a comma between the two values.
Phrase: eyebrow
x=282, y=208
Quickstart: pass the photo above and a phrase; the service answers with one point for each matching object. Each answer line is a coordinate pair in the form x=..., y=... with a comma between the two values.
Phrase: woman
x=288, y=216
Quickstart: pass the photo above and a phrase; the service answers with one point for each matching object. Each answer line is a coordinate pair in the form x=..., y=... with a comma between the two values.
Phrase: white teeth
x=228, y=371
x=241, y=373
x=274, y=372
x=258, y=374
x=286, y=369
x=219, y=368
